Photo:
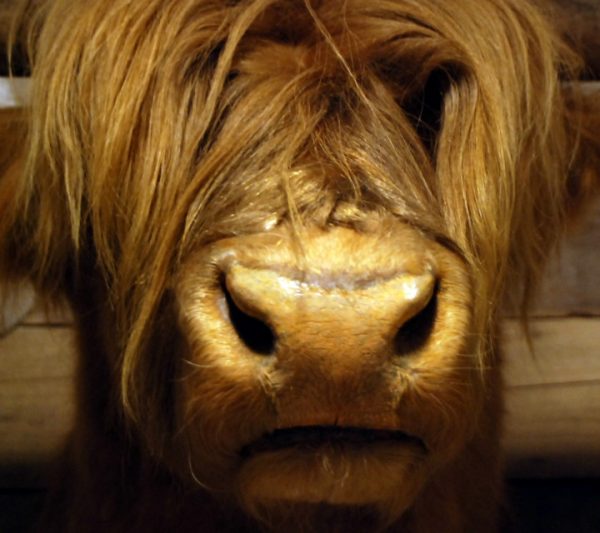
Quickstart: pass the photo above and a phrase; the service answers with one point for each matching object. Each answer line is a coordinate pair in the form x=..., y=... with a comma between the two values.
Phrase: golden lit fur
x=163, y=133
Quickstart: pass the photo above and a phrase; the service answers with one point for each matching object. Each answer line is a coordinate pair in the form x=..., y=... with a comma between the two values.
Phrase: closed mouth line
x=313, y=437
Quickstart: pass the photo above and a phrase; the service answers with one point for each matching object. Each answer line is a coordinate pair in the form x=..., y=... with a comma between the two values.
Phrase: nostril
x=414, y=333
x=253, y=332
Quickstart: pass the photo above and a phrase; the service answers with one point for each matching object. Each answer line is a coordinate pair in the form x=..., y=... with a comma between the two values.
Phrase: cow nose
x=279, y=313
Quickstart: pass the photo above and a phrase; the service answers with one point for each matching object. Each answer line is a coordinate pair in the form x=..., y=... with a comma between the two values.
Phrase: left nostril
x=253, y=332
x=414, y=333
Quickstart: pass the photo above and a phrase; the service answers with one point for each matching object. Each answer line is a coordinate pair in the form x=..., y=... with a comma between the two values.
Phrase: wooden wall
x=553, y=394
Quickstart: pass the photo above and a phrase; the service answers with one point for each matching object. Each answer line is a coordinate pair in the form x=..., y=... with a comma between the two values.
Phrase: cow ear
x=583, y=118
x=12, y=133
x=31, y=243
x=12, y=139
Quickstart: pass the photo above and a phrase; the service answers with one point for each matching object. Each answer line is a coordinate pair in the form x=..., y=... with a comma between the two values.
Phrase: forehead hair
x=250, y=109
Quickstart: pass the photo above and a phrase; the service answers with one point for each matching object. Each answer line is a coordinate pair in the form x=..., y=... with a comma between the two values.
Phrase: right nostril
x=415, y=332
x=253, y=332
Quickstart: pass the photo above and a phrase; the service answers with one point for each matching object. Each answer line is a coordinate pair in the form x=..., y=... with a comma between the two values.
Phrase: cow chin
x=386, y=475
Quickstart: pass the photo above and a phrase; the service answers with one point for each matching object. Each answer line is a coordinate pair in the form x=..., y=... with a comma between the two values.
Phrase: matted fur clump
x=286, y=229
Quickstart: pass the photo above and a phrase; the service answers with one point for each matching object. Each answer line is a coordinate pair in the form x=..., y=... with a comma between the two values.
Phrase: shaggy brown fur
x=329, y=146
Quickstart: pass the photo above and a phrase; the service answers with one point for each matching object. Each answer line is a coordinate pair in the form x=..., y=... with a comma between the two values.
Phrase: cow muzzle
x=310, y=359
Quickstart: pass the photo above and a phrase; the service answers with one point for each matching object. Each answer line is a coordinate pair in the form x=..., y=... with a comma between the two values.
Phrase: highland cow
x=287, y=230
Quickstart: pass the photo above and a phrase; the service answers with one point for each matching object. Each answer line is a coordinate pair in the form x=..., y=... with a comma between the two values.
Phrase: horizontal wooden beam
x=37, y=404
x=552, y=425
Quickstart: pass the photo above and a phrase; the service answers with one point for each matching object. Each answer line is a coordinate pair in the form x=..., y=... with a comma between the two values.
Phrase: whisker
x=195, y=477
x=197, y=365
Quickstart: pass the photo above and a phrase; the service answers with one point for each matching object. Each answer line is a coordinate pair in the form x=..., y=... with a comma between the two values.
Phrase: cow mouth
x=310, y=438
